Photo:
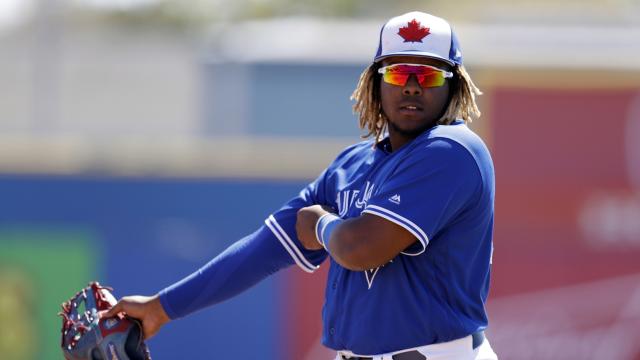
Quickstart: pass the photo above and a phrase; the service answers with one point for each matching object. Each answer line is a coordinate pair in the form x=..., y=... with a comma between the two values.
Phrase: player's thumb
x=117, y=308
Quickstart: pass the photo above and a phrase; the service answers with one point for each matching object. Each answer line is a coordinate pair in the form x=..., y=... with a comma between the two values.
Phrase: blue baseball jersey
x=440, y=188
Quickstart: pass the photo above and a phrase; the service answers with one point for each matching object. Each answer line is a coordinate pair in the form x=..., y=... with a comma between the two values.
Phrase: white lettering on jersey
x=368, y=190
x=370, y=275
x=342, y=200
x=347, y=198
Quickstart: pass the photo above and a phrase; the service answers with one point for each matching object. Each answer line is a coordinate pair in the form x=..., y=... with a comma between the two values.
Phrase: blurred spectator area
x=127, y=94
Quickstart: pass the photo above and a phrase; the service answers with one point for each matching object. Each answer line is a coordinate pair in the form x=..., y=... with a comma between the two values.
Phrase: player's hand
x=306, y=225
x=147, y=309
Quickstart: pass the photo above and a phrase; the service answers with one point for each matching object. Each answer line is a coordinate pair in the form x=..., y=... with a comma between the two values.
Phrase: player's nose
x=412, y=87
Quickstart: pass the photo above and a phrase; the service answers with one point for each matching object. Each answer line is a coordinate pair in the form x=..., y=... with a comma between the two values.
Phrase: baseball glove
x=87, y=337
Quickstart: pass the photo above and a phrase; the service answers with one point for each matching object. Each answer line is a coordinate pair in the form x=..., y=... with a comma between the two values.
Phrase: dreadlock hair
x=462, y=102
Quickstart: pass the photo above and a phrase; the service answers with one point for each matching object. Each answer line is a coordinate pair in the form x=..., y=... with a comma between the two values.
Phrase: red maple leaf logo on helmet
x=413, y=32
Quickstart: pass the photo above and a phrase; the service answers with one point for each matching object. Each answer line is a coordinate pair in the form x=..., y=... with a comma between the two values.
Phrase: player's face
x=411, y=108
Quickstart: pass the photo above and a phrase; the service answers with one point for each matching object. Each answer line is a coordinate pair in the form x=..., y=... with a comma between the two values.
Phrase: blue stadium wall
x=138, y=235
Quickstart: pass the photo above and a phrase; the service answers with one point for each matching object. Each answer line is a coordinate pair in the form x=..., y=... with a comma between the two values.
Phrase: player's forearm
x=367, y=242
x=242, y=265
x=349, y=247
x=358, y=244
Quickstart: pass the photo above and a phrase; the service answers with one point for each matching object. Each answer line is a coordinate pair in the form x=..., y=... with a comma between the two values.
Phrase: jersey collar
x=384, y=145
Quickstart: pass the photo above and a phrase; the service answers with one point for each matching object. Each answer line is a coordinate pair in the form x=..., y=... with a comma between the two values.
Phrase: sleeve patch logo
x=413, y=32
x=395, y=199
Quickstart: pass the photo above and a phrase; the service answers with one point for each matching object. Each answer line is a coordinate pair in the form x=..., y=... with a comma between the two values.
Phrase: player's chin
x=411, y=126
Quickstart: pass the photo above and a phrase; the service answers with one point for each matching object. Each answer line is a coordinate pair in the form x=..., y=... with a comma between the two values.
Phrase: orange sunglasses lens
x=427, y=76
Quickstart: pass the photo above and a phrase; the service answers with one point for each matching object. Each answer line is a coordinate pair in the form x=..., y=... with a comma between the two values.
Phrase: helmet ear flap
x=134, y=346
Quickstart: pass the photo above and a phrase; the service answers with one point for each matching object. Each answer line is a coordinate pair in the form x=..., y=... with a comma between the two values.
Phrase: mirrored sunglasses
x=428, y=76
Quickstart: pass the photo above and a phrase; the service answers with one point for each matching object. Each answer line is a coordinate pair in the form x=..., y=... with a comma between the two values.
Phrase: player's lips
x=410, y=108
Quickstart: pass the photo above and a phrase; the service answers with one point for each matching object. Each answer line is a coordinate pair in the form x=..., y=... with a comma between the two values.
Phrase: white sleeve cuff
x=289, y=245
x=402, y=221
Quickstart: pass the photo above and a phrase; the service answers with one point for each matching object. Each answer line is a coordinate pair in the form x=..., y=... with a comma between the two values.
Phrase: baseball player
x=405, y=217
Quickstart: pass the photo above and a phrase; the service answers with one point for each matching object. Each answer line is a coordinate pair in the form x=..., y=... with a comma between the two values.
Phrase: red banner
x=566, y=274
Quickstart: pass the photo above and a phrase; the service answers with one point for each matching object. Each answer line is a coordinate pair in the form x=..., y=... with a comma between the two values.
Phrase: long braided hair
x=462, y=104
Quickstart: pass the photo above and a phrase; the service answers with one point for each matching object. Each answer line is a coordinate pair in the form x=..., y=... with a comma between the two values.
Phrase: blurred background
x=139, y=138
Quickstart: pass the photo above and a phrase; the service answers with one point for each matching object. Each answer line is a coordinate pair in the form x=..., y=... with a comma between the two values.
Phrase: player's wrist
x=159, y=311
x=159, y=308
x=324, y=227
